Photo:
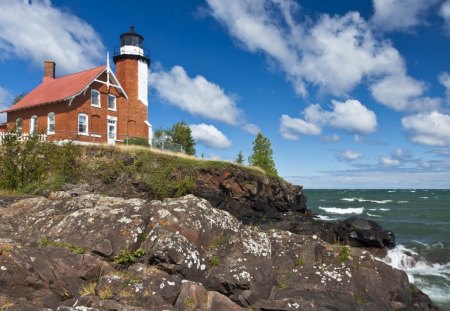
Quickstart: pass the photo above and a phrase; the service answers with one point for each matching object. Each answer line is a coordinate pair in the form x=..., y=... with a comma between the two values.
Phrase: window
x=19, y=125
x=111, y=102
x=83, y=124
x=51, y=123
x=33, y=125
x=95, y=98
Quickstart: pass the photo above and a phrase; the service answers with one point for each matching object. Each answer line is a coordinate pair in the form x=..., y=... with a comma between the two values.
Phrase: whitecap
x=401, y=202
x=373, y=215
x=425, y=198
x=366, y=200
x=335, y=210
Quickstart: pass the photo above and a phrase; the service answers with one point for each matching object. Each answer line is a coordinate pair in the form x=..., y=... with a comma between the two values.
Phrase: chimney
x=49, y=70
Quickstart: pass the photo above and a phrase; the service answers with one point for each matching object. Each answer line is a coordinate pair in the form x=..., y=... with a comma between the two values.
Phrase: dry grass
x=126, y=293
x=88, y=289
x=105, y=293
x=6, y=306
x=8, y=193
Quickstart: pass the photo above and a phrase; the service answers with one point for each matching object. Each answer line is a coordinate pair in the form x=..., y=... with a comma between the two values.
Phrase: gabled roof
x=63, y=88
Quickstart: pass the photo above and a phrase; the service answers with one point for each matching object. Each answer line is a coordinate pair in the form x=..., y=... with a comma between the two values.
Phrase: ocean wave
x=401, y=202
x=326, y=218
x=373, y=215
x=417, y=267
x=379, y=209
x=366, y=200
x=425, y=198
x=336, y=210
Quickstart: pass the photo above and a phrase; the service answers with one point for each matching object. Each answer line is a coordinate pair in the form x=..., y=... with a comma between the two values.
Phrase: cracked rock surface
x=92, y=252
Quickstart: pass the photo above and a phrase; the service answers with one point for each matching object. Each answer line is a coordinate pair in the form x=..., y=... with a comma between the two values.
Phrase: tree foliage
x=239, y=158
x=180, y=133
x=262, y=155
x=18, y=98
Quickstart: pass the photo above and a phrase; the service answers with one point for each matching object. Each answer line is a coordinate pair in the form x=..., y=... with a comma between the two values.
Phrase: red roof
x=53, y=90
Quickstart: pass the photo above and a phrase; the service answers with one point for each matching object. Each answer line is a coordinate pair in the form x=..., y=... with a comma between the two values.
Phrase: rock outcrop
x=81, y=251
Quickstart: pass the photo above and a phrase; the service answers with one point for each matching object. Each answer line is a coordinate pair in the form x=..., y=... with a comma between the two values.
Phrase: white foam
x=366, y=200
x=425, y=198
x=323, y=217
x=335, y=210
x=379, y=209
x=413, y=264
x=373, y=215
x=402, y=202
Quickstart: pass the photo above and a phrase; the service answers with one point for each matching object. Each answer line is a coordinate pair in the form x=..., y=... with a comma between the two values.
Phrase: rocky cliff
x=76, y=250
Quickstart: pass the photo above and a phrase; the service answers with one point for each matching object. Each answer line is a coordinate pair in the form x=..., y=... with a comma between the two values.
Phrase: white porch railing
x=23, y=137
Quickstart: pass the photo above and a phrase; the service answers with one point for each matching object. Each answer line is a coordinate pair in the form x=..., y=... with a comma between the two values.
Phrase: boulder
x=360, y=232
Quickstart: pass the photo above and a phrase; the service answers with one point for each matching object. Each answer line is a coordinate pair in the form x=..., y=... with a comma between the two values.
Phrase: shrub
x=214, y=261
x=125, y=257
x=138, y=141
x=299, y=262
x=344, y=254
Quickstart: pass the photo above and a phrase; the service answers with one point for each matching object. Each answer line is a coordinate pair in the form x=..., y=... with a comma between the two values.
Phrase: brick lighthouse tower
x=132, y=63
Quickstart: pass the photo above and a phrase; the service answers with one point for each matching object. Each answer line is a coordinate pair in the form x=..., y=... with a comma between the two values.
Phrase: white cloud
x=387, y=161
x=331, y=138
x=445, y=13
x=431, y=129
x=333, y=53
x=349, y=155
x=400, y=14
x=401, y=93
x=444, y=79
x=37, y=31
x=252, y=128
x=209, y=136
x=198, y=96
x=293, y=128
x=350, y=116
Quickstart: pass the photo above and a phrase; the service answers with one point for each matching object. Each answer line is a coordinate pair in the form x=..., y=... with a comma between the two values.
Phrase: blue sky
x=352, y=94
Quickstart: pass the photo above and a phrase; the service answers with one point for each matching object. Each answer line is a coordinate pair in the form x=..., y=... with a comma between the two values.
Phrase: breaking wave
x=336, y=210
x=365, y=200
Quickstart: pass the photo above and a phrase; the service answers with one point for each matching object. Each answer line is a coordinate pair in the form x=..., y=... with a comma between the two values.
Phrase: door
x=112, y=131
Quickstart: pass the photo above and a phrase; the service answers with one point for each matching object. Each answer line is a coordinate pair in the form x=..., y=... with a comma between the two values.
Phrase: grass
x=214, y=261
x=158, y=174
x=7, y=306
x=105, y=293
x=282, y=284
x=88, y=289
x=9, y=193
x=125, y=257
x=344, y=254
x=299, y=261
x=189, y=304
x=43, y=242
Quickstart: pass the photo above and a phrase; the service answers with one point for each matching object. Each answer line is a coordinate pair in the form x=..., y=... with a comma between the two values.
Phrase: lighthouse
x=132, y=62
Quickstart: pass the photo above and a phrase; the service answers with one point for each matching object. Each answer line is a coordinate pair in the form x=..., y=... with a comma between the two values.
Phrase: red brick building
x=94, y=105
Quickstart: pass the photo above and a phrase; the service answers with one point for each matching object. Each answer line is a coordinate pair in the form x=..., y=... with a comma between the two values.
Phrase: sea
x=420, y=220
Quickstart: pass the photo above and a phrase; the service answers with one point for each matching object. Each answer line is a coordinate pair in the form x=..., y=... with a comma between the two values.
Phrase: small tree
x=181, y=134
x=263, y=155
x=239, y=158
x=18, y=98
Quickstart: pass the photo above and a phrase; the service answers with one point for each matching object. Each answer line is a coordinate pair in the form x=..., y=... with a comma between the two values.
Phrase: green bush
x=33, y=165
x=137, y=141
x=125, y=257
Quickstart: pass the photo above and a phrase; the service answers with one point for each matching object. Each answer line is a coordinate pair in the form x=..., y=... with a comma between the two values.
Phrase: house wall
x=66, y=117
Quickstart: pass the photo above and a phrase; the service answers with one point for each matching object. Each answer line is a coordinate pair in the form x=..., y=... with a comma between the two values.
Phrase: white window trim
x=99, y=99
x=21, y=125
x=87, y=124
x=48, y=124
x=33, y=124
x=115, y=102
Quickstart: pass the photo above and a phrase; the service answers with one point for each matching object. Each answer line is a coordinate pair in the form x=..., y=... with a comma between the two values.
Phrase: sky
x=351, y=94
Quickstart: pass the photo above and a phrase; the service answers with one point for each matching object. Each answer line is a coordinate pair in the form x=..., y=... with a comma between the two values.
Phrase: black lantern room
x=133, y=39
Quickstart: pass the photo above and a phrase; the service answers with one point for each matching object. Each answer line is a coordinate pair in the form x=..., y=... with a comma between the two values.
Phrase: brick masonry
x=131, y=113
